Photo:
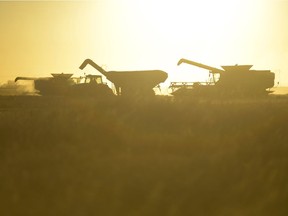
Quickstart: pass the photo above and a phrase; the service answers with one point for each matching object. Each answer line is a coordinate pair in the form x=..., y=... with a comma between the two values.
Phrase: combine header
x=236, y=81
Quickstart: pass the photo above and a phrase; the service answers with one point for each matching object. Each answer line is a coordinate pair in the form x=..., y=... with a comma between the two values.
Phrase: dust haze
x=11, y=88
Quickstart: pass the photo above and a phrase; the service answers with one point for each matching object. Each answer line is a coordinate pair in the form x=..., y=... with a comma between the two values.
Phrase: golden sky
x=38, y=38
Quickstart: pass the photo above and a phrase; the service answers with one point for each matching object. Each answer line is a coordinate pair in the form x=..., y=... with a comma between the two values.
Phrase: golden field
x=84, y=156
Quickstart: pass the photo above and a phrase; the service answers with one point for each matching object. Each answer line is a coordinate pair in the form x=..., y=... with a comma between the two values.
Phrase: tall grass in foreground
x=68, y=156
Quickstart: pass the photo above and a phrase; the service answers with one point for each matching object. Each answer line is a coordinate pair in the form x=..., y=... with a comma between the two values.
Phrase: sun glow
x=208, y=31
x=54, y=37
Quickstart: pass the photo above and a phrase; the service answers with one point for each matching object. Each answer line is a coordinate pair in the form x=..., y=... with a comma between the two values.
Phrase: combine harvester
x=61, y=84
x=230, y=81
x=58, y=84
x=127, y=83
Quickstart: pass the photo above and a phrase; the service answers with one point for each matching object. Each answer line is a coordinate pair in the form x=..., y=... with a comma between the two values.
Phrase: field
x=81, y=156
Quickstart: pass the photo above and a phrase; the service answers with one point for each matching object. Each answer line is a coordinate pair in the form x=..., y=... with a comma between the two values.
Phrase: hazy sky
x=39, y=38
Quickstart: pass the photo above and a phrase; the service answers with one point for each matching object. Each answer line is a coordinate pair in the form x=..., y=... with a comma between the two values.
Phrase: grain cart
x=131, y=83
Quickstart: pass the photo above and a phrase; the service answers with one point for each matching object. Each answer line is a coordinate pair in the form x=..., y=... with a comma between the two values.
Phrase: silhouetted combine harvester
x=57, y=84
x=131, y=83
x=64, y=85
x=230, y=81
x=127, y=83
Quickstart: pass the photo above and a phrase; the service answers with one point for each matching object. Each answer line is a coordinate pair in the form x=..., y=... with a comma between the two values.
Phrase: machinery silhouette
x=127, y=83
x=234, y=81
x=61, y=84
x=58, y=84
x=131, y=82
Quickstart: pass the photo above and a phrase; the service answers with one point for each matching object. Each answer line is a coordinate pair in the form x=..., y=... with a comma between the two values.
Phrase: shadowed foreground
x=85, y=157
